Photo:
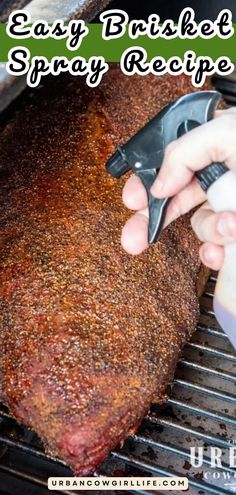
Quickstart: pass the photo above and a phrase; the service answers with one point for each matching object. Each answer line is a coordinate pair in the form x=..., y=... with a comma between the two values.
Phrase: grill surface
x=200, y=412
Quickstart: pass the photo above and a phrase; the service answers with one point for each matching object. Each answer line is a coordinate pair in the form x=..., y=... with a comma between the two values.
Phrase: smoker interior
x=200, y=411
x=7, y=6
x=172, y=8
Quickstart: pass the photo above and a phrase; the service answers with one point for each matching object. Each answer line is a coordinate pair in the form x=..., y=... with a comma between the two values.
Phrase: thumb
x=210, y=142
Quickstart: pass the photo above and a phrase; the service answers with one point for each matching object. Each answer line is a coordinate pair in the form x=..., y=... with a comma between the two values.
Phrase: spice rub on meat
x=89, y=335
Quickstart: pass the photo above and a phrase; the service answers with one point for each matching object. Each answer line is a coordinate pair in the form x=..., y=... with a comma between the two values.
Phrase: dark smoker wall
x=205, y=9
x=7, y=6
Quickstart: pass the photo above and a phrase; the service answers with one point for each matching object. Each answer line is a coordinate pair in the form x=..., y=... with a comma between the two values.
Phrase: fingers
x=134, y=237
x=212, y=255
x=134, y=241
x=185, y=201
x=135, y=232
x=134, y=195
x=210, y=142
x=135, y=198
x=217, y=228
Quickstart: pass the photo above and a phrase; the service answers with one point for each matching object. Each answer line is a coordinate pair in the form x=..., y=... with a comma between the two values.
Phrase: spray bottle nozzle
x=117, y=164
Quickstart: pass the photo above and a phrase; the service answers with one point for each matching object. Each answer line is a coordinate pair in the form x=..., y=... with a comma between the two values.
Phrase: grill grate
x=199, y=413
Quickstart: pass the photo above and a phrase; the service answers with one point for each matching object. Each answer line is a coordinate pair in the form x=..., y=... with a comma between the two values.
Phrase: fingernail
x=157, y=187
x=226, y=226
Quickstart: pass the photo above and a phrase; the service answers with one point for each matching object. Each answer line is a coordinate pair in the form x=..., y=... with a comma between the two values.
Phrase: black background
x=204, y=9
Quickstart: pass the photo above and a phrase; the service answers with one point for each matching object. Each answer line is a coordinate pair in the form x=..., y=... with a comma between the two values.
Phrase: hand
x=211, y=142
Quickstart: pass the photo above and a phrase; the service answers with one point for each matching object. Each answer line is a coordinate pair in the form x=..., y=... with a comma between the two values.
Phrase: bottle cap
x=208, y=175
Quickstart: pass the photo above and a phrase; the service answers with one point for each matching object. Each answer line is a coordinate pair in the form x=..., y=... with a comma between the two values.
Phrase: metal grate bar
x=205, y=369
x=177, y=451
x=31, y=478
x=213, y=351
x=157, y=470
x=211, y=331
x=23, y=475
x=223, y=418
x=204, y=390
x=207, y=312
x=206, y=437
x=29, y=449
x=208, y=294
x=4, y=414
